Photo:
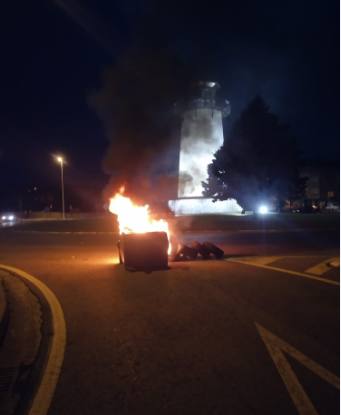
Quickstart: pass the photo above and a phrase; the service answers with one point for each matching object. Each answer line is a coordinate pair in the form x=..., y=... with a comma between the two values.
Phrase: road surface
x=256, y=333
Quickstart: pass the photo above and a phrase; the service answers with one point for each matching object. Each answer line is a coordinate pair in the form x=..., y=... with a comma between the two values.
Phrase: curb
x=4, y=312
x=55, y=335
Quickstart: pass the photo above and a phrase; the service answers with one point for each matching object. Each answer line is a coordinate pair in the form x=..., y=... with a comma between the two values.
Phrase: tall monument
x=201, y=137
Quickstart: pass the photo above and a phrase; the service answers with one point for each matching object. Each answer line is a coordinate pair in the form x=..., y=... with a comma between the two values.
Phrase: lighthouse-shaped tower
x=201, y=137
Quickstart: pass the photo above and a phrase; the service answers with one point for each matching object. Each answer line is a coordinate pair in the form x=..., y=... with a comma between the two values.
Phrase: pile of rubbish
x=196, y=250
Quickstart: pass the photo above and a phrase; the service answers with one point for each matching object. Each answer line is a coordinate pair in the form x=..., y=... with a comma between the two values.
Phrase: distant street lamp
x=61, y=161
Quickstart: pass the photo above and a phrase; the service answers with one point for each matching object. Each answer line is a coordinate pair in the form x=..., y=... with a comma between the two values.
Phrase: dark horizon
x=55, y=53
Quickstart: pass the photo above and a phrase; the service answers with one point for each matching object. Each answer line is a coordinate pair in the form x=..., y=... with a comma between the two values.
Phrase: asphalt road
x=205, y=337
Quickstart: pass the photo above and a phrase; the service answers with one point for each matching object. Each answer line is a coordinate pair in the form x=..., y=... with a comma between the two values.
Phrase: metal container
x=144, y=251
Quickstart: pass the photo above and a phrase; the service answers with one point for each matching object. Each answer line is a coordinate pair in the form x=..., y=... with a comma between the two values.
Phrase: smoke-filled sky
x=53, y=55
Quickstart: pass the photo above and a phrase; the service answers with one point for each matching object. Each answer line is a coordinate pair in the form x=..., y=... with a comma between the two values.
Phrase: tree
x=257, y=163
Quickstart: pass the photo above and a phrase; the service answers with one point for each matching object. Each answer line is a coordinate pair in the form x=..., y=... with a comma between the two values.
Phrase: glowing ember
x=134, y=218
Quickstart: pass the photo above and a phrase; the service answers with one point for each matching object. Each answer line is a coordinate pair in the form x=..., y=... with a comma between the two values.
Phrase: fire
x=133, y=218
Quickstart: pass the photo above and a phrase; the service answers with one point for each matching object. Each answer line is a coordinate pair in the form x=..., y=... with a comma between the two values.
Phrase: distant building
x=323, y=180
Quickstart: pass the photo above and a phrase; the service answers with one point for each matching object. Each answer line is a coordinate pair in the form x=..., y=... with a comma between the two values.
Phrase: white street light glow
x=61, y=161
x=263, y=210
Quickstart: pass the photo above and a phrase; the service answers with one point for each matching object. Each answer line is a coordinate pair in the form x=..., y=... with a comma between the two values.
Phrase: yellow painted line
x=285, y=271
x=322, y=267
x=276, y=348
x=46, y=388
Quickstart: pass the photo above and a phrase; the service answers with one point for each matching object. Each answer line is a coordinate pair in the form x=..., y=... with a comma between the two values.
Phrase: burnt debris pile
x=196, y=250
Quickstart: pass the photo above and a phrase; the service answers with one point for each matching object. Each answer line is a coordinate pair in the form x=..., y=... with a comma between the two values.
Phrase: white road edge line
x=43, y=397
x=285, y=271
x=261, y=260
x=322, y=267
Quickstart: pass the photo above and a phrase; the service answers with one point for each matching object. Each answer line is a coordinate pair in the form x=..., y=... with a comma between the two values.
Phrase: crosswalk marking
x=322, y=267
x=276, y=348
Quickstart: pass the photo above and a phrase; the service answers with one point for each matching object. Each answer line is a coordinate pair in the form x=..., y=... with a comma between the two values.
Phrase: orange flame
x=134, y=218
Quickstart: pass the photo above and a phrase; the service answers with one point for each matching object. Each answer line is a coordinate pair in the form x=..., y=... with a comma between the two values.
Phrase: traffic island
x=3, y=311
x=21, y=342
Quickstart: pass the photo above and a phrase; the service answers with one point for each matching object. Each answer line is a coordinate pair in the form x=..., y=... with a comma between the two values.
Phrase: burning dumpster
x=144, y=241
x=144, y=251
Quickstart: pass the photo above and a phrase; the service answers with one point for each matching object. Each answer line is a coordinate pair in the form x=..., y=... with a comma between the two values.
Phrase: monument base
x=204, y=206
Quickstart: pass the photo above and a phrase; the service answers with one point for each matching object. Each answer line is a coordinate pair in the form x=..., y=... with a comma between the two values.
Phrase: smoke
x=202, y=136
x=137, y=104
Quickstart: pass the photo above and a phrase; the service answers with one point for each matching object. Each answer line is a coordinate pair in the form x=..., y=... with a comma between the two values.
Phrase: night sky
x=54, y=52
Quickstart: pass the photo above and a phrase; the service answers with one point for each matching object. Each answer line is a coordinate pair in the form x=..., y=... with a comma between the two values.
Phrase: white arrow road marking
x=277, y=347
x=322, y=267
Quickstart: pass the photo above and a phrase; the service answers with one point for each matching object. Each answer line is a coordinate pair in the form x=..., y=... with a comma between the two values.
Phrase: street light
x=61, y=161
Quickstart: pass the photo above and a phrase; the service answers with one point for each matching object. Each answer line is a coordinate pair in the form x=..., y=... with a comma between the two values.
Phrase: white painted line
x=285, y=271
x=335, y=263
x=45, y=391
x=322, y=267
x=261, y=260
x=277, y=347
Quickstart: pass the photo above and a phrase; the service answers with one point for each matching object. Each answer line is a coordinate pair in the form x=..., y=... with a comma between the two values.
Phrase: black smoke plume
x=138, y=104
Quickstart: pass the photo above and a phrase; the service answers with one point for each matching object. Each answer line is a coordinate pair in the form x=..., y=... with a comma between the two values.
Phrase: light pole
x=60, y=160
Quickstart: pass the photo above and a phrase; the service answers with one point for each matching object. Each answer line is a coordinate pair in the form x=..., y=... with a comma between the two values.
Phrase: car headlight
x=3, y=217
x=11, y=217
